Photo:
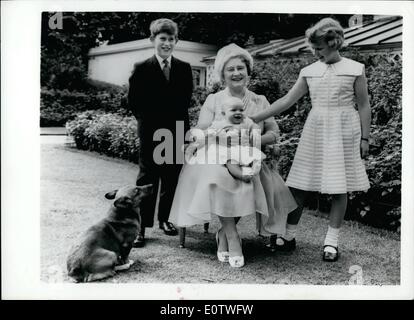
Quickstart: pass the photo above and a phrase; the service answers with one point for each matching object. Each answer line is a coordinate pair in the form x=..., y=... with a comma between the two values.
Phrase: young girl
x=243, y=159
x=334, y=137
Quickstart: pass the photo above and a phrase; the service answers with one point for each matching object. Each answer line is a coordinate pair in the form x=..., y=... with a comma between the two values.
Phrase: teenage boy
x=159, y=96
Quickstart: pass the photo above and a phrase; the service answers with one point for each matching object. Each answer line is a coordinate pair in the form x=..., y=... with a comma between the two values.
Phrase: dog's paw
x=99, y=276
x=125, y=266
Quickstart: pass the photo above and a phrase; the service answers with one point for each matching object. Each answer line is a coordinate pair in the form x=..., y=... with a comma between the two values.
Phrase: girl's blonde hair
x=327, y=30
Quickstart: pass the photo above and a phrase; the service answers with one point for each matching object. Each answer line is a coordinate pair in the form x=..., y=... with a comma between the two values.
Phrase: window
x=199, y=77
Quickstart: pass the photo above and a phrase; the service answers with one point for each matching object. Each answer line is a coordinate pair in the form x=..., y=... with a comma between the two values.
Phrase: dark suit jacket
x=158, y=103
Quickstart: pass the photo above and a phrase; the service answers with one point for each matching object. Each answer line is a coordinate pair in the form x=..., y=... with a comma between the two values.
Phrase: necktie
x=166, y=69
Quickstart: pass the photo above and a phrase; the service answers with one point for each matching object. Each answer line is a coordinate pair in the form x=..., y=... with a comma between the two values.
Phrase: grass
x=73, y=184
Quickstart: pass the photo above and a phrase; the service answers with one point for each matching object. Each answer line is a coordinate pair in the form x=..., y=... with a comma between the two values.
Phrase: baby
x=241, y=155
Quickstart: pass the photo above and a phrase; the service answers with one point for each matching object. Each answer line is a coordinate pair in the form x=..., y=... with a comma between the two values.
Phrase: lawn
x=73, y=184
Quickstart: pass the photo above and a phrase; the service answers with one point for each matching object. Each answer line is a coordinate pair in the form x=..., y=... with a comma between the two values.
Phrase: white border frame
x=20, y=94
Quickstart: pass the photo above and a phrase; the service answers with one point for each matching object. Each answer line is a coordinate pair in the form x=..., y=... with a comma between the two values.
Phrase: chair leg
x=181, y=232
x=206, y=225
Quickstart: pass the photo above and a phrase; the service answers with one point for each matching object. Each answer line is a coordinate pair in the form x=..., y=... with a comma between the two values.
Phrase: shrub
x=274, y=76
x=124, y=142
x=108, y=133
x=77, y=127
x=199, y=96
x=58, y=106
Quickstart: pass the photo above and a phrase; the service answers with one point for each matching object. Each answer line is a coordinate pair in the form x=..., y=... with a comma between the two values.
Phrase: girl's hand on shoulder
x=253, y=118
x=364, y=149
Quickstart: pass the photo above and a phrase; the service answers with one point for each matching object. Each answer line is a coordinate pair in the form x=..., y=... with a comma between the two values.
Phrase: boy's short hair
x=327, y=30
x=163, y=25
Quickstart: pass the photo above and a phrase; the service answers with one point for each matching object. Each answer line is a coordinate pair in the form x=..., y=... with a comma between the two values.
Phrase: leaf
x=395, y=182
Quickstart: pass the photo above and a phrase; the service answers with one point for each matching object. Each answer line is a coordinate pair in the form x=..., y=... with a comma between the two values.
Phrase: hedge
x=109, y=133
x=57, y=106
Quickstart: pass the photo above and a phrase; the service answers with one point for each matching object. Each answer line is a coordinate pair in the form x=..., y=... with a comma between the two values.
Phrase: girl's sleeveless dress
x=328, y=157
x=206, y=189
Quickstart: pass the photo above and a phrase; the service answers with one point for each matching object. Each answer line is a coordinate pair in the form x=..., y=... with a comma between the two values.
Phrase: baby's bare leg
x=237, y=172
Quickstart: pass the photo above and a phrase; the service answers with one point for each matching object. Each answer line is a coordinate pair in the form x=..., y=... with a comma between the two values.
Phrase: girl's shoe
x=330, y=256
x=287, y=246
x=223, y=256
x=236, y=262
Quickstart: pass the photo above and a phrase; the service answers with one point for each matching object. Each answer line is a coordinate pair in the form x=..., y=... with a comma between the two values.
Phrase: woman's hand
x=271, y=133
x=364, y=149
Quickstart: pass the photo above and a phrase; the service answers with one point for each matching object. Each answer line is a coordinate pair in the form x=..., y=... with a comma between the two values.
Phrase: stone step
x=53, y=131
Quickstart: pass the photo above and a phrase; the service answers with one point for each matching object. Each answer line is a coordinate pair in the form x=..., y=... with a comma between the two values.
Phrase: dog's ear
x=111, y=195
x=145, y=190
x=123, y=203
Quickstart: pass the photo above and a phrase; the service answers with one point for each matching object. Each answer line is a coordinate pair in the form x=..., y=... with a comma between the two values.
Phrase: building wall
x=116, y=67
x=114, y=63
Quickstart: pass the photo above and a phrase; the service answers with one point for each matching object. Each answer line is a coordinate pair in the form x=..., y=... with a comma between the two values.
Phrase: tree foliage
x=64, y=52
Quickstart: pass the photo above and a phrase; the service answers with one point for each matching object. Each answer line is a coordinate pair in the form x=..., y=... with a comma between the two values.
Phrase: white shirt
x=161, y=61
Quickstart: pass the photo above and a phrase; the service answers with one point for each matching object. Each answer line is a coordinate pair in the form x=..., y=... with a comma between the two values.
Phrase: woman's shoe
x=330, y=256
x=236, y=262
x=223, y=256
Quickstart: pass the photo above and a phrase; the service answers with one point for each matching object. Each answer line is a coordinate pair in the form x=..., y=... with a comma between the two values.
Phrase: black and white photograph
x=220, y=150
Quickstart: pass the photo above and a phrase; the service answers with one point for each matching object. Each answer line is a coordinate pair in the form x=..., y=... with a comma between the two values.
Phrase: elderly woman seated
x=210, y=189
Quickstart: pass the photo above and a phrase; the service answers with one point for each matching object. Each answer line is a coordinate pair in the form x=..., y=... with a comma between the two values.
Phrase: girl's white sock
x=290, y=232
x=331, y=239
